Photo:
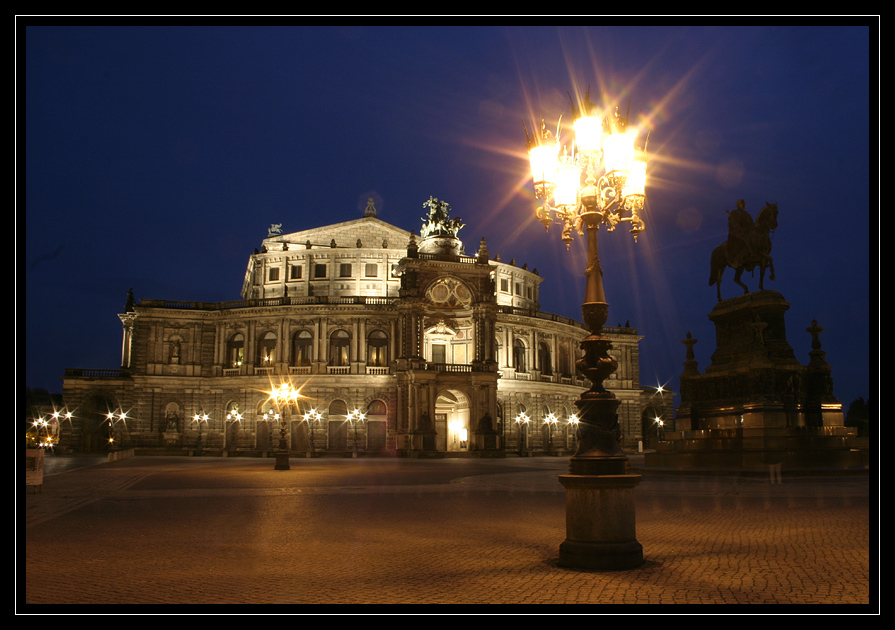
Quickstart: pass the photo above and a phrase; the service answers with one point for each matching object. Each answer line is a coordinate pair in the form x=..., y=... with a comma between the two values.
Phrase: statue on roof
x=438, y=221
x=274, y=229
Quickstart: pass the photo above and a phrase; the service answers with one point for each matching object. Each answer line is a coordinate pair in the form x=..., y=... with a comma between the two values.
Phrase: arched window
x=377, y=349
x=338, y=348
x=519, y=356
x=302, y=346
x=544, y=361
x=236, y=350
x=564, y=365
x=267, y=347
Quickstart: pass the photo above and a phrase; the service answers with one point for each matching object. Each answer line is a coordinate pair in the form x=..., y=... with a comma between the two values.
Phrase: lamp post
x=573, y=421
x=660, y=425
x=312, y=418
x=199, y=418
x=599, y=492
x=283, y=397
x=522, y=420
x=112, y=420
x=232, y=416
x=550, y=421
x=354, y=418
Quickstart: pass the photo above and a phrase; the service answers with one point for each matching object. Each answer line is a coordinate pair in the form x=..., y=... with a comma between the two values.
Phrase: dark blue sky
x=155, y=158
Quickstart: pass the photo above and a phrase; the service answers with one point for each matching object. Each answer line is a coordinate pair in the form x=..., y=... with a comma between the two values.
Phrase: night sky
x=156, y=158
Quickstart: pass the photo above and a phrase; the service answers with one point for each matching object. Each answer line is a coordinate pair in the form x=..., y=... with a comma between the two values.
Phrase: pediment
x=373, y=233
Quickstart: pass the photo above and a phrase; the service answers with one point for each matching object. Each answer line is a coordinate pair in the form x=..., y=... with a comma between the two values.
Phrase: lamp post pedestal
x=600, y=525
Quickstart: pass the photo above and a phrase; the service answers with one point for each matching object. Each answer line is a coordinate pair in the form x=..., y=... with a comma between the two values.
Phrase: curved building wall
x=431, y=349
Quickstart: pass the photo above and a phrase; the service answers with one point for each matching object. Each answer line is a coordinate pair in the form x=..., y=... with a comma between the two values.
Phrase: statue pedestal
x=600, y=523
x=756, y=406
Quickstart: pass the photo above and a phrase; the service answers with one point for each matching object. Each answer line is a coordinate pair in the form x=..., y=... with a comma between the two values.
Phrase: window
x=301, y=348
x=371, y=270
x=273, y=274
x=377, y=349
x=544, y=359
x=338, y=348
x=320, y=270
x=267, y=346
x=528, y=293
x=564, y=365
x=505, y=285
x=345, y=270
x=295, y=272
x=519, y=356
x=236, y=350
x=518, y=288
x=439, y=353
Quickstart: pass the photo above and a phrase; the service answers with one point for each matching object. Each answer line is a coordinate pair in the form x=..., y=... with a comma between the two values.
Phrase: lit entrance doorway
x=452, y=422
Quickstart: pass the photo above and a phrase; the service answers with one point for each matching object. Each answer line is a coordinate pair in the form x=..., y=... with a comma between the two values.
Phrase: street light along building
x=400, y=345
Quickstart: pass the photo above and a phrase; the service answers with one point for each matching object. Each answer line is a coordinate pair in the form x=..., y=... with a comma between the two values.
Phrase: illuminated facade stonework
x=442, y=353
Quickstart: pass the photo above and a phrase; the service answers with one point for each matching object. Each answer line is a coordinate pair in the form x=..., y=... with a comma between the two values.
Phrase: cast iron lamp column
x=600, y=524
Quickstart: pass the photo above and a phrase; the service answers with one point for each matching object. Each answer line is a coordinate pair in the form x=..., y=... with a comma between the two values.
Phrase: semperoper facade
x=400, y=345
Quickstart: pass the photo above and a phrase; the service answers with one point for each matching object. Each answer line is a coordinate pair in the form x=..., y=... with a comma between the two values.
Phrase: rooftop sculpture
x=438, y=222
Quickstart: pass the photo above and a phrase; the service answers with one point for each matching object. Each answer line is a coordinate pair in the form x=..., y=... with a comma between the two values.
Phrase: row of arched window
x=520, y=360
x=301, y=350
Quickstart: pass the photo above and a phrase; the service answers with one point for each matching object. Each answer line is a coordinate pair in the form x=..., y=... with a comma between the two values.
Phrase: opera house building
x=390, y=343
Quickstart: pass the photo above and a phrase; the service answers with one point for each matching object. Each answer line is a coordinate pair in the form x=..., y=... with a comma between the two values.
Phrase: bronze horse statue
x=748, y=246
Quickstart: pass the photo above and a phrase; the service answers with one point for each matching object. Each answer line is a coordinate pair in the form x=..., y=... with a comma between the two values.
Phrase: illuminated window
x=338, y=348
x=302, y=348
x=266, y=350
x=505, y=285
x=236, y=350
x=519, y=356
x=377, y=349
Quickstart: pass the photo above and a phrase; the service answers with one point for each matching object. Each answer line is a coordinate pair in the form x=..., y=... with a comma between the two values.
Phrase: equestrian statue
x=748, y=245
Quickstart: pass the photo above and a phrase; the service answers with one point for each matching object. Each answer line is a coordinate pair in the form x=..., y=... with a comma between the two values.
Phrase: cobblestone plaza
x=392, y=532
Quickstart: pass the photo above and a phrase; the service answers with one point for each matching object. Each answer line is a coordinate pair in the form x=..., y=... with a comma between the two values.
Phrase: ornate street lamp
x=354, y=418
x=114, y=418
x=573, y=422
x=521, y=421
x=612, y=192
x=550, y=421
x=312, y=418
x=283, y=396
x=199, y=418
x=660, y=425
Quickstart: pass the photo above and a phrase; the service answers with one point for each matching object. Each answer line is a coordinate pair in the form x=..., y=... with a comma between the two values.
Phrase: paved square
x=156, y=530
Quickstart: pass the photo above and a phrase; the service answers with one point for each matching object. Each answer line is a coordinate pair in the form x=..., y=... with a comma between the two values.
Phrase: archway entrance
x=454, y=434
